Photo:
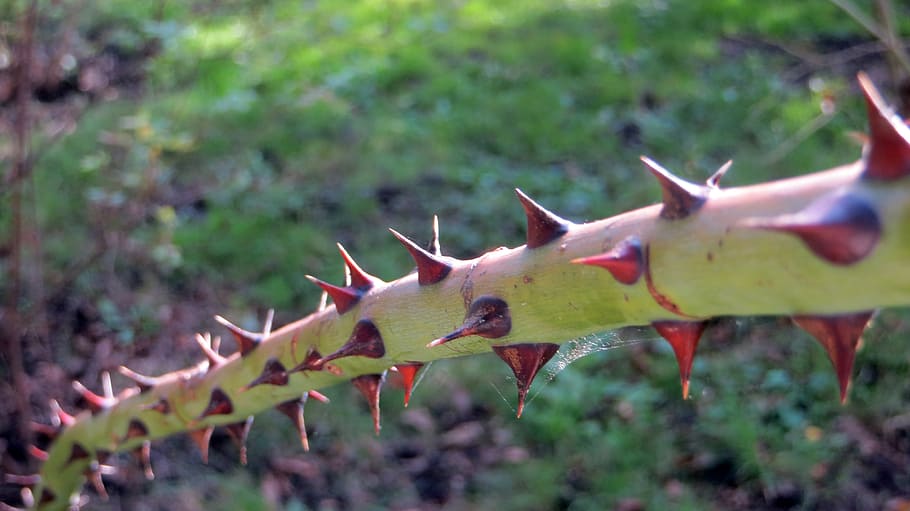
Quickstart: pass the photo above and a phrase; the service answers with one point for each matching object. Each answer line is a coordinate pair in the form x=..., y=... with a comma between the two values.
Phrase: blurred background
x=164, y=161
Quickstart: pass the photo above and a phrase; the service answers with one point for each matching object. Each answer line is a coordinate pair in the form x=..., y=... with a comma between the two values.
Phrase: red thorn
x=680, y=197
x=887, y=155
x=202, y=437
x=543, y=225
x=37, y=453
x=360, y=280
x=344, y=297
x=408, y=373
x=714, y=180
x=365, y=341
x=59, y=417
x=77, y=452
x=370, y=385
x=239, y=431
x=525, y=360
x=294, y=410
x=44, y=429
x=842, y=228
x=430, y=268
x=312, y=362
x=95, y=402
x=318, y=396
x=246, y=340
x=683, y=337
x=487, y=317
x=273, y=373
x=219, y=404
x=144, y=454
x=136, y=429
x=839, y=334
x=209, y=347
x=625, y=261
x=143, y=382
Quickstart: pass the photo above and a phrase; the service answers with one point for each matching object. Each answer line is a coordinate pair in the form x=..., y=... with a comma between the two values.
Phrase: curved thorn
x=525, y=360
x=543, y=225
x=345, y=298
x=207, y=345
x=625, y=261
x=680, y=197
x=887, y=155
x=246, y=340
x=202, y=438
x=370, y=385
x=239, y=431
x=683, y=337
x=839, y=334
x=430, y=268
x=95, y=402
x=360, y=279
x=143, y=382
x=294, y=411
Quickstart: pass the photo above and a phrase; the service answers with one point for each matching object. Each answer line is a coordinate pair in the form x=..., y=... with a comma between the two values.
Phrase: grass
x=265, y=131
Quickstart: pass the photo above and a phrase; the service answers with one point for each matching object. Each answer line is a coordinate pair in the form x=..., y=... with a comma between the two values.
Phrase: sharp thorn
x=345, y=298
x=625, y=261
x=219, y=404
x=273, y=373
x=887, y=154
x=370, y=385
x=839, y=334
x=360, y=280
x=683, y=337
x=202, y=438
x=239, y=431
x=714, y=180
x=430, y=268
x=408, y=374
x=680, y=198
x=365, y=341
x=543, y=225
x=525, y=360
x=246, y=340
x=143, y=382
x=488, y=317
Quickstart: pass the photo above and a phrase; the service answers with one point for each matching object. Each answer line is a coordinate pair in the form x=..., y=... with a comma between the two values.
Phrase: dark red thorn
x=839, y=334
x=37, y=453
x=219, y=404
x=487, y=317
x=887, y=155
x=318, y=396
x=365, y=341
x=312, y=362
x=841, y=228
x=202, y=438
x=210, y=348
x=344, y=297
x=360, y=280
x=525, y=360
x=239, y=431
x=680, y=197
x=144, y=454
x=408, y=374
x=430, y=268
x=95, y=402
x=143, y=382
x=77, y=452
x=294, y=410
x=246, y=340
x=136, y=429
x=273, y=373
x=543, y=225
x=683, y=337
x=714, y=180
x=625, y=261
x=370, y=385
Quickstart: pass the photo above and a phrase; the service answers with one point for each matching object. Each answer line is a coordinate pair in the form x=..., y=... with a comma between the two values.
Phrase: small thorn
x=842, y=228
x=714, y=180
x=144, y=454
x=408, y=374
x=37, y=453
x=59, y=417
x=360, y=280
x=267, y=325
x=434, y=247
x=839, y=334
x=430, y=268
x=136, y=429
x=273, y=373
x=525, y=360
x=680, y=197
x=77, y=452
x=312, y=362
x=487, y=317
x=202, y=438
x=209, y=348
x=294, y=410
x=625, y=261
x=365, y=341
x=683, y=337
x=344, y=297
x=887, y=155
x=95, y=402
x=543, y=225
x=370, y=385
x=219, y=404
x=246, y=340
x=143, y=382
x=93, y=474
x=318, y=396
x=239, y=431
